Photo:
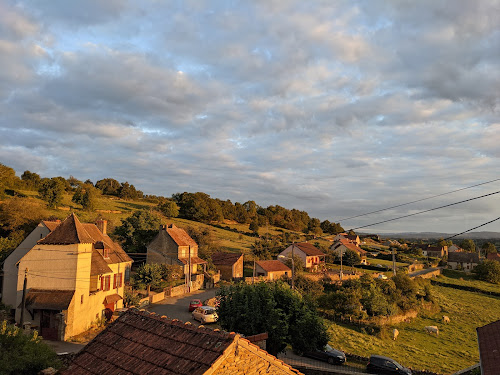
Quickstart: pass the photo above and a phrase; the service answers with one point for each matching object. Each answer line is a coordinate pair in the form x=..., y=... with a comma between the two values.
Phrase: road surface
x=177, y=307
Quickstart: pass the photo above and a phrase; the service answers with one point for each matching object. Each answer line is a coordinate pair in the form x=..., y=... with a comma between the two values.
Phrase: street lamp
x=293, y=267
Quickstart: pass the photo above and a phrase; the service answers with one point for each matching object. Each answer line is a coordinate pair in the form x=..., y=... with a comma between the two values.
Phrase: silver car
x=205, y=314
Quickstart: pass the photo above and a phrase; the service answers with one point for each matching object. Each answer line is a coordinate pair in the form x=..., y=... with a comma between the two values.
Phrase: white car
x=205, y=314
x=382, y=277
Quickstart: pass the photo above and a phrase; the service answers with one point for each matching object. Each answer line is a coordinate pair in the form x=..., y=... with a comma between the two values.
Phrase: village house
x=493, y=256
x=74, y=276
x=230, y=265
x=140, y=342
x=350, y=237
x=172, y=245
x=272, y=269
x=454, y=247
x=310, y=255
x=463, y=261
x=435, y=251
x=488, y=339
x=342, y=245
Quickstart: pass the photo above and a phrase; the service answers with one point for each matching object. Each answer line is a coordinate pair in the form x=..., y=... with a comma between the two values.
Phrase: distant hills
x=437, y=235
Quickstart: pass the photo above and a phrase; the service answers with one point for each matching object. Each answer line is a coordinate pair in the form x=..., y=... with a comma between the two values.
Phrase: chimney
x=102, y=225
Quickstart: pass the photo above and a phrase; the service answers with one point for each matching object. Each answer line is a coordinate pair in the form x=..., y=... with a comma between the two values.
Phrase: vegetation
x=273, y=308
x=489, y=271
x=138, y=230
x=23, y=354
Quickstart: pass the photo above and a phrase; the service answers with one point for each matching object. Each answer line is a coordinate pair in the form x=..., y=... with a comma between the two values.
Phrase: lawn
x=452, y=277
x=454, y=349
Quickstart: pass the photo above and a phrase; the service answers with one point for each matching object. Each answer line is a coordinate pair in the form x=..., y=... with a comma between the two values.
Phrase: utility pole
x=293, y=269
x=23, y=301
x=341, y=264
x=393, y=262
x=253, y=274
x=189, y=271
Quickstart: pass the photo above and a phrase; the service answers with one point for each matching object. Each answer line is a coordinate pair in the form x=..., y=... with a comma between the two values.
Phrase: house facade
x=142, y=342
x=272, y=269
x=339, y=248
x=74, y=276
x=172, y=245
x=310, y=255
x=230, y=265
x=463, y=261
x=435, y=251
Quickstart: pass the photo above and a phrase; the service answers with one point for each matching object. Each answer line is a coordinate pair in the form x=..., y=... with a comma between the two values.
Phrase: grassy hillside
x=454, y=349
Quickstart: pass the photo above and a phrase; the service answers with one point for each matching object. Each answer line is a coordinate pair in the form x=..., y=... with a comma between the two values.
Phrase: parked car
x=382, y=277
x=205, y=314
x=194, y=304
x=384, y=365
x=328, y=354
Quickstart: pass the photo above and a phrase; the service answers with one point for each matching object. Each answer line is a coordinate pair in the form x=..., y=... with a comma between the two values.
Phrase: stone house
x=435, y=251
x=230, y=265
x=272, y=269
x=462, y=260
x=172, y=245
x=310, y=255
x=454, y=247
x=350, y=237
x=140, y=342
x=74, y=276
x=343, y=245
x=488, y=340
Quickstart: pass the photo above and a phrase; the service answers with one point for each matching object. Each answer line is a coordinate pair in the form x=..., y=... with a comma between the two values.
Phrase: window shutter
x=114, y=281
x=102, y=282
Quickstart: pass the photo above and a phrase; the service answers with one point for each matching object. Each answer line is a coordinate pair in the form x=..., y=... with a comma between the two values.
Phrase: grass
x=454, y=349
x=385, y=263
x=466, y=279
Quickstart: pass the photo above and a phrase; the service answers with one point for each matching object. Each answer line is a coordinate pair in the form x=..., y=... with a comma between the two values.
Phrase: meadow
x=454, y=349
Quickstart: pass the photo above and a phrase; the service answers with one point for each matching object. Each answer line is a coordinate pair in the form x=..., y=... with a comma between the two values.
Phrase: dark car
x=328, y=354
x=383, y=365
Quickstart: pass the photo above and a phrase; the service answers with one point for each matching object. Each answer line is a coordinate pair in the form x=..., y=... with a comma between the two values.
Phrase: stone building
x=140, y=342
x=230, y=265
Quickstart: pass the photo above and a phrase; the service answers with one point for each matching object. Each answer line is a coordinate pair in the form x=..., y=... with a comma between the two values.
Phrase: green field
x=454, y=349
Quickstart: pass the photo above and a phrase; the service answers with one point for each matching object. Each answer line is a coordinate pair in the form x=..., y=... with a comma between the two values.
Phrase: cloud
x=333, y=108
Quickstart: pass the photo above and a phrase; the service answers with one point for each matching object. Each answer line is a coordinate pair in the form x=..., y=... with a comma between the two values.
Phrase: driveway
x=177, y=307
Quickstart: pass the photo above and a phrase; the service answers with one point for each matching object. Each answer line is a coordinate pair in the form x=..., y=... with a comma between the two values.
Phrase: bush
x=24, y=354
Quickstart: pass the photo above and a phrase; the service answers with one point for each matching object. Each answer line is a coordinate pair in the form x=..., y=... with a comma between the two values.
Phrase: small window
x=106, y=253
x=81, y=299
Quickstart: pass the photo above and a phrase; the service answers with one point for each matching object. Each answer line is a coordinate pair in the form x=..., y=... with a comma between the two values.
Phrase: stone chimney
x=102, y=225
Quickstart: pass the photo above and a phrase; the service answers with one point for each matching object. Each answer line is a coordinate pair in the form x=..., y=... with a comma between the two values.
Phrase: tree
x=488, y=248
x=273, y=308
x=350, y=257
x=148, y=276
x=138, y=230
x=489, y=271
x=169, y=208
x=468, y=245
x=20, y=214
x=108, y=186
x=31, y=180
x=254, y=226
x=52, y=190
x=128, y=191
x=86, y=195
x=24, y=354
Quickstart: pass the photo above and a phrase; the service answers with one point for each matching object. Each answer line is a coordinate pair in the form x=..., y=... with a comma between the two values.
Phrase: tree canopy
x=468, y=245
x=489, y=271
x=138, y=230
x=51, y=190
x=273, y=308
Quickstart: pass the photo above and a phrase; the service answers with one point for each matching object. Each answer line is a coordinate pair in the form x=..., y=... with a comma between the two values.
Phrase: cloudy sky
x=333, y=107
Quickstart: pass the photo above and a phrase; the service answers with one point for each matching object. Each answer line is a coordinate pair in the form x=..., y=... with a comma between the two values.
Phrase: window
x=106, y=253
x=81, y=300
x=114, y=280
x=117, y=280
x=105, y=282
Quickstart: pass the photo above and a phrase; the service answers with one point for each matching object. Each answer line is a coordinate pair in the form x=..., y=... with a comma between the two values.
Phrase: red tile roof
x=309, y=250
x=488, y=338
x=225, y=259
x=194, y=260
x=142, y=343
x=272, y=266
x=49, y=299
x=72, y=231
x=493, y=256
x=180, y=237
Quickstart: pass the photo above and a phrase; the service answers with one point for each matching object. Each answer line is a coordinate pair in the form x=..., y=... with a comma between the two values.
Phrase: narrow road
x=177, y=307
x=297, y=361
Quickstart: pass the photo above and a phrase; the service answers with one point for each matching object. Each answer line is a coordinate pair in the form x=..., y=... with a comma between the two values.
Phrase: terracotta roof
x=180, y=237
x=51, y=225
x=488, y=339
x=112, y=299
x=225, y=259
x=98, y=265
x=493, y=256
x=142, y=343
x=49, y=299
x=354, y=247
x=463, y=257
x=272, y=265
x=309, y=250
x=194, y=260
x=70, y=231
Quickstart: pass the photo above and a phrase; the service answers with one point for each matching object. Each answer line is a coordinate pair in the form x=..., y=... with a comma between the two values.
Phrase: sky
x=337, y=108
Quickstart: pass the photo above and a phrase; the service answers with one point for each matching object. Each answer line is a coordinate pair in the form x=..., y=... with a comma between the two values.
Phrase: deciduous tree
x=138, y=230
x=52, y=190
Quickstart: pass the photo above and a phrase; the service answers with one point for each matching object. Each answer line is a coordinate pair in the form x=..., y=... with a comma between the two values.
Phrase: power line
x=418, y=200
x=421, y=212
x=469, y=230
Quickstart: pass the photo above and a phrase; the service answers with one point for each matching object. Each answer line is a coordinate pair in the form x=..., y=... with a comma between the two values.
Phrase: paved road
x=177, y=307
x=297, y=361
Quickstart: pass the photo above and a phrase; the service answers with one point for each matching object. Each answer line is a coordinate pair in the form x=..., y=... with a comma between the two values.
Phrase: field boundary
x=466, y=288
